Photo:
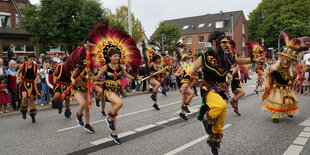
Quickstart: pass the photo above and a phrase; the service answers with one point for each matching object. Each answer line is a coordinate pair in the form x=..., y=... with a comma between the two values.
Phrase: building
x=195, y=31
x=12, y=31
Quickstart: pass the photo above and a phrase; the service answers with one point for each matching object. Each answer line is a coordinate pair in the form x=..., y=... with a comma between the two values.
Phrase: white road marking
x=307, y=129
x=104, y=140
x=162, y=122
x=100, y=141
x=305, y=123
x=293, y=150
x=145, y=127
x=173, y=118
x=136, y=112
x=304, y=134
x=300, y=141
x=181, y=148
x=127, y=133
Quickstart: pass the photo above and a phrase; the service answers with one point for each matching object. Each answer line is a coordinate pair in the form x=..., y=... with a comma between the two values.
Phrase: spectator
x=42, y=58
x=45, y=90
x=4, y=95
x=2, y=68
x=10, y=53
x=12, y=87
x=173, y=81
x=57, y=58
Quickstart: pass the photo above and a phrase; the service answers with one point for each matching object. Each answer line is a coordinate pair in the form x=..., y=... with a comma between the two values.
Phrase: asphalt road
x=144, y=130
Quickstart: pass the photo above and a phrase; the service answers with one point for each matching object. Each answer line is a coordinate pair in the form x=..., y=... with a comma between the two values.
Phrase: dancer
x=112, y=72
x=108, y=48
x=278, y=91
x=27, y=88
x=187, y=93
x=80, y=93
x=155, y=80
x=99, y=88
x=258, y=51
x=236, y=89
x=63, y=81
x=216, y=63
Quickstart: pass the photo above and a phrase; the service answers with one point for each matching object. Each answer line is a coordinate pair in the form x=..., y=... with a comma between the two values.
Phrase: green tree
x=272, y=16
x=172, y=36
x=57, y=21
x=119, y=19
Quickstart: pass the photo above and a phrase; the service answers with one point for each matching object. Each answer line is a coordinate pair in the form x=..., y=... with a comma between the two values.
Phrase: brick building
x=195, y=31
x=12, y=31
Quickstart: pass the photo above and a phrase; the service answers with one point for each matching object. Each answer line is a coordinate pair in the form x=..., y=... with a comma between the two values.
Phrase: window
x=189, y=40
x=20, y=48
x=201, y=25
x=201, y=39
x=210, y=24
x=243, y=41
x=185, y=27
x=243, y=31
x=5, y=19
x=219, y=24
x=17, y=22
x=55, y=48
x=30, y=48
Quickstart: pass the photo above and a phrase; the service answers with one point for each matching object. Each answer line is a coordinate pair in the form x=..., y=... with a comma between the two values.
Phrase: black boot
x=32, y=113
x=214, y=142
x=208, y=123
x=275, y=120
x=68, y=113
x=33, y=118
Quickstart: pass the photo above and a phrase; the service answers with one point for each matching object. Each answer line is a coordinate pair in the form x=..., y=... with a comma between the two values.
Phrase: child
x=4, y=95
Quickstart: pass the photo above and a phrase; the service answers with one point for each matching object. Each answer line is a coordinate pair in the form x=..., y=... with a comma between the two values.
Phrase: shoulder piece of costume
x=102, y=39
x=211, y=64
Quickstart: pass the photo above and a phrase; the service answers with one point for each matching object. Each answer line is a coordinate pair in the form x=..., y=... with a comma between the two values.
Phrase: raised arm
x=103, y=69
x=126, y=74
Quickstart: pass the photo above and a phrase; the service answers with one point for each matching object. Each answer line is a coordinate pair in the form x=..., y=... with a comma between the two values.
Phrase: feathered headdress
x=256, y=50
x=293, y=45
x=102, y=39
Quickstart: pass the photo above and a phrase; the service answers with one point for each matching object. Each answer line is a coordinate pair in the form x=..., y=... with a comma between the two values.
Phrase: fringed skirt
x=281, y=101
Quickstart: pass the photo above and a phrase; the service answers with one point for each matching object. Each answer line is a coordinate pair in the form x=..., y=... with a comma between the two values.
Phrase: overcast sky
x=151, y=12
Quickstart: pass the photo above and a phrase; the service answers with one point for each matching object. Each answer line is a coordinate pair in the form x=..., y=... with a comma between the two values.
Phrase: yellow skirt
x=281, y=102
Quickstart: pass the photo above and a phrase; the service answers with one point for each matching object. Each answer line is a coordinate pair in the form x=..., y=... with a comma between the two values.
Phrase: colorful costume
x=112, y=82
x=63, y=81
x=214, y=94
x=28, y=76
x=258, y=51
x=280, y=98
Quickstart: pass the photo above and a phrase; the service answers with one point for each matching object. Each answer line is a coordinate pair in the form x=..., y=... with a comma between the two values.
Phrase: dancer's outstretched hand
x=260, y=59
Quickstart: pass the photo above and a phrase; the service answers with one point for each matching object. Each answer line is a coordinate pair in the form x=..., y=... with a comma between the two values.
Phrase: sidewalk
x=48, y=106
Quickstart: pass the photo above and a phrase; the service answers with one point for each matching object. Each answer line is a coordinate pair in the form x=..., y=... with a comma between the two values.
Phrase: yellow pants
x=217, y=110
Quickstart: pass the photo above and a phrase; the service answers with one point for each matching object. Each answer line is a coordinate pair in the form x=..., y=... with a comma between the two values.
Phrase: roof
x=13, y=32
x=206, y=22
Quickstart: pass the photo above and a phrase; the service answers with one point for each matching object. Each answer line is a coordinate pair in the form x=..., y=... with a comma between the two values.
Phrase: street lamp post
x=163, y=38
x=286, y=29
x=129, y=18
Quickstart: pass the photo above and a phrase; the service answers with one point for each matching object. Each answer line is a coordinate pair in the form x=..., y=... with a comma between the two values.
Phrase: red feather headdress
x=256, y=49
x=102, y=39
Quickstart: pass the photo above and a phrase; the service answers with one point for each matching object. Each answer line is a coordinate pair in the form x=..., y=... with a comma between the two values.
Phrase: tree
x=172, y=36
x=119, y=19
x=272, y=16
x=57, y=21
